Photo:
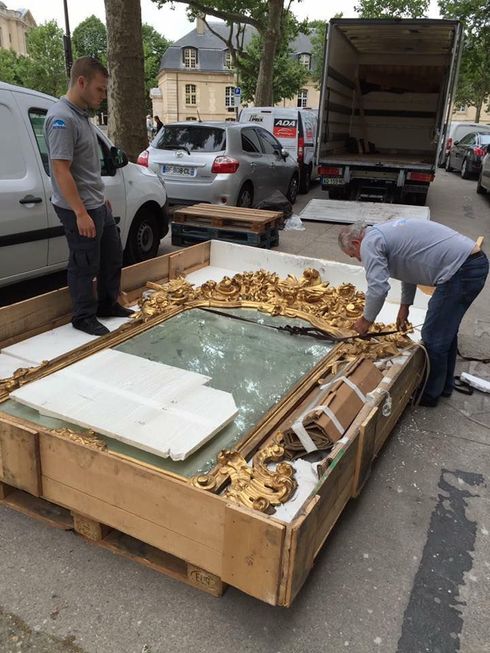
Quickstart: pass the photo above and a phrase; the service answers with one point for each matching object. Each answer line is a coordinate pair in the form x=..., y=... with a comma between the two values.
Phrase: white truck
x=385, y=104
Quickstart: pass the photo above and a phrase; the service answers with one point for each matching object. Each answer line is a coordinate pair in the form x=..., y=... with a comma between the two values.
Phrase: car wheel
x=479, y=188
x=245, y=196
x=143, y=239
x=449, y=167
x=465, y=172
x=292, y=193
x=305, y=180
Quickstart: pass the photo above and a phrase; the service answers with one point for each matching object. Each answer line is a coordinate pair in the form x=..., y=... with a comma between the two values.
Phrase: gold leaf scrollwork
x=255, y=486
x=87, y=438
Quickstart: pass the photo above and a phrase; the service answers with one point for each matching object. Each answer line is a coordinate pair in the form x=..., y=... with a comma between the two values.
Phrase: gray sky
x=173, y=23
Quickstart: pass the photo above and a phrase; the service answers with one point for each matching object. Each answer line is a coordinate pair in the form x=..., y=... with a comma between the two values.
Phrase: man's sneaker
x=90, y=325
x=115, y=310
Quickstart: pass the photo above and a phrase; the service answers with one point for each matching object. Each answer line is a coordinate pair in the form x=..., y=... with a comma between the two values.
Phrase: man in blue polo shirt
x=78, y=199
x=429, y=254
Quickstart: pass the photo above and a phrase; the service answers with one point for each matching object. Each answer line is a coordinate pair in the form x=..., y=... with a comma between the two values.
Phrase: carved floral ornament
x=333, y=309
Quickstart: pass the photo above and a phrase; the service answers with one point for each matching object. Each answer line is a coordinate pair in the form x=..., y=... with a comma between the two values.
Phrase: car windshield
x=198, y=138
x=485, y=139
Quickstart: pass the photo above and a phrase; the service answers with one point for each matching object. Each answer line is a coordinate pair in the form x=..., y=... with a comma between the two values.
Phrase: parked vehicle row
x=32, y=240
x=221, y=162
x=471, y=157
x=456, y=131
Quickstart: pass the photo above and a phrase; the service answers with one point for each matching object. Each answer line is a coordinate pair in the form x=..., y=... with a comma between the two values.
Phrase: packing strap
x=302, y=433
x=351, y=385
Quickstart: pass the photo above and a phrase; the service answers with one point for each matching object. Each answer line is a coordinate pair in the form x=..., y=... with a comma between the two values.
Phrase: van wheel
x=292, y=193
x=143, y=239
x=479, y=188
x=465, y=173
x=305, y=180
x=245, y=196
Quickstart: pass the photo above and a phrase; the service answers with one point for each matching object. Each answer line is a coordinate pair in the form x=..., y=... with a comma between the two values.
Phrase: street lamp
x=67, y=41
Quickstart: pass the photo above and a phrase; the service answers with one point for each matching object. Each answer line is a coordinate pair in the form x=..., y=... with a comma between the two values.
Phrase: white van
x=455, y=132
x=32, y=241
x=296, y=130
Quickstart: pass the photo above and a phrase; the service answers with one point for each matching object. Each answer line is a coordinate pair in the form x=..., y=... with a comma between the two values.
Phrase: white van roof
x=29, y=91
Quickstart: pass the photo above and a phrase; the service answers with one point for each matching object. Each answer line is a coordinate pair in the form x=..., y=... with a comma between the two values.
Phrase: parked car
x=455, y=132
x=32, y=240
x=296, y=130
x=466, y=155
x=221, y=163
x=483, y=184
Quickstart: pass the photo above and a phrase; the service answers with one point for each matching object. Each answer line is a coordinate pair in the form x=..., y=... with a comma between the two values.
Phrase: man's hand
x=362, y=326
x=86, y=226
x=402, y=317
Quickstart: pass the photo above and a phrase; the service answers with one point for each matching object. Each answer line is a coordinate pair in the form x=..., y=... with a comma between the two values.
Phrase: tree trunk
x=126, y=95
x=271, y=36
x=478, y=110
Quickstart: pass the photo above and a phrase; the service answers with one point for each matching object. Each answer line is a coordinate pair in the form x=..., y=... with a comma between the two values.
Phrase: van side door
x=24, y=218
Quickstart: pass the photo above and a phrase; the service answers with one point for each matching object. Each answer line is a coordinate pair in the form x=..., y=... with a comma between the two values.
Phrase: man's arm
x=60, y=168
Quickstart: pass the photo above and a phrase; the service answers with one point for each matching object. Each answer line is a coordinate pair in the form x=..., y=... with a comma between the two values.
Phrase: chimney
x=200, y=25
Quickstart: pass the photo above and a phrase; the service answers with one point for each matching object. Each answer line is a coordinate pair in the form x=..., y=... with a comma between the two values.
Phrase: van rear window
x=194, y=138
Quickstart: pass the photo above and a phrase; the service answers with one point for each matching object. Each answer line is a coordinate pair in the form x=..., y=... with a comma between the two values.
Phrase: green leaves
x=392, y=8
x=90, y=39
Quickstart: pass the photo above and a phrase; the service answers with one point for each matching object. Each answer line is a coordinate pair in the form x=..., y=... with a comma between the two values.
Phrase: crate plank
x=252, y=553
x=19, y=457
x=365, y=451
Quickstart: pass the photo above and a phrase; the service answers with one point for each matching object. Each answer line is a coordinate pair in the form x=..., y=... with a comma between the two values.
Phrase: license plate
x=333, y=181
x=184, y=171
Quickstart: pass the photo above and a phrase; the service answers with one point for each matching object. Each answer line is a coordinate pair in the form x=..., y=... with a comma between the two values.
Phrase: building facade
x=467, y=113
x=197, y=82
x=14, y=25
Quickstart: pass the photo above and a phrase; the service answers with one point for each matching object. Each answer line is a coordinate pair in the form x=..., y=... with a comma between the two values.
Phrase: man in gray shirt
x=426, y=253
x=78, y=199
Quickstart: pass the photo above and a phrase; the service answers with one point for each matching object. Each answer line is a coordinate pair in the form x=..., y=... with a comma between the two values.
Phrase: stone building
x=14, y=24
x=197, y=81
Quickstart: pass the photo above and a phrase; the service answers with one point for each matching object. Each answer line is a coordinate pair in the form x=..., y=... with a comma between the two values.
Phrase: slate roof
x=212, y=49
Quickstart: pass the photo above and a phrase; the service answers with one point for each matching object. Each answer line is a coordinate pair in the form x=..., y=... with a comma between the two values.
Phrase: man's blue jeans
x=447, y=307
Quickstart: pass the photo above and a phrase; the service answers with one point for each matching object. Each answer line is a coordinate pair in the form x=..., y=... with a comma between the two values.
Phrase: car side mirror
x=456, y=143
x=284, y=153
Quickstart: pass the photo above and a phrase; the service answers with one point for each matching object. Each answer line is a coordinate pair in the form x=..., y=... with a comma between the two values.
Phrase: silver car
x=237, y=164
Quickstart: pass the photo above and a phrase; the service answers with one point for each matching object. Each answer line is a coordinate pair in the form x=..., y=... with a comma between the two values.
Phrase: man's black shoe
x=116, y=310
x=446, y=393
x=90, y=325
x=428, y=402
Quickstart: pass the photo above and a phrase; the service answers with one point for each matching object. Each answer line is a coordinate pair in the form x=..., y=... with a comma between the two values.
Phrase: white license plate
x=185, y=171
x=333, y=181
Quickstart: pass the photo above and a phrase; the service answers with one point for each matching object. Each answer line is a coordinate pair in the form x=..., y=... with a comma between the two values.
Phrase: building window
x=229, y=93
x=461, y=108
x=303, y=98
x=228, y=60
x=190, y=94
x=191, y=118
x=305, y=60
x=189, y=57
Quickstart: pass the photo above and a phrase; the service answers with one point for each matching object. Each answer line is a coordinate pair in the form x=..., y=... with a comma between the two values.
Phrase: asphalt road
x=406, y=569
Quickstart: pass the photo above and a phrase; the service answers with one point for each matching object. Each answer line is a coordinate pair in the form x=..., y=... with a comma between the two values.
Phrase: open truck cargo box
x=192, y=526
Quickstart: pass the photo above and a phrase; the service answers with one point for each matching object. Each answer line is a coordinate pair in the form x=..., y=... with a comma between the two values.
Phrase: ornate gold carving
x=88, y=438
x=255, y=487
x=19, y=377
x=333, y=309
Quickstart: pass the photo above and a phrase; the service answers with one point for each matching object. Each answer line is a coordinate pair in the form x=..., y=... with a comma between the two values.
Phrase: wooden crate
x=217, y=215
x=190, y=234
x=159, y=518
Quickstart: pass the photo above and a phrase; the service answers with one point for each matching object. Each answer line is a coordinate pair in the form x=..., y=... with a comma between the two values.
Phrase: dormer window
x=228, y=60
x=189, y=57
x=305, y=60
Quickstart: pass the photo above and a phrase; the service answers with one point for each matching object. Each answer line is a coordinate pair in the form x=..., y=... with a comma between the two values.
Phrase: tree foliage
x=154, y=45
x=44, y=69
x=474, y=75
x=266, y=16
x=289, y=75
x=12, y=67
x=392, y=8
x=89, y=39
x=318, y=36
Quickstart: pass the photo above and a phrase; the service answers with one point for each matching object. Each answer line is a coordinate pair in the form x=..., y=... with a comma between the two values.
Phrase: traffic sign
x=237, y=91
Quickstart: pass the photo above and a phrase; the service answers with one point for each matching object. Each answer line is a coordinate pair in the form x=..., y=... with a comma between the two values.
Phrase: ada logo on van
x=285, y=127
x=59, y=124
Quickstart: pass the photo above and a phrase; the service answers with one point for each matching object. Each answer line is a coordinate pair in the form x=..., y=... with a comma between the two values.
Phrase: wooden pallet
x=190, y=234
x=109, y=538
x=216, y=215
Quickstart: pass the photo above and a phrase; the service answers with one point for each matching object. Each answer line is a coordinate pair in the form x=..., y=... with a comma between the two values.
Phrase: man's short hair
x=86, y=67
x=352, y=232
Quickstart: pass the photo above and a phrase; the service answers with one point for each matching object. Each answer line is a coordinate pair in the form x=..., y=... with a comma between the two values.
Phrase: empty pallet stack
x=201, y=222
